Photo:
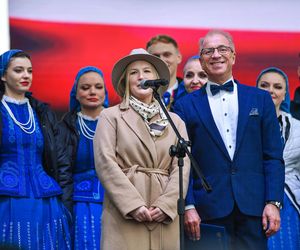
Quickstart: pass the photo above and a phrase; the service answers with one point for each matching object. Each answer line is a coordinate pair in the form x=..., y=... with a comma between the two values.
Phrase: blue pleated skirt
x=288, y=237
x=30, y=223
x=87, y=225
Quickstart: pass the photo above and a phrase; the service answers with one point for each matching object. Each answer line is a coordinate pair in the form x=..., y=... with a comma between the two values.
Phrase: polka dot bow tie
x=216, y=88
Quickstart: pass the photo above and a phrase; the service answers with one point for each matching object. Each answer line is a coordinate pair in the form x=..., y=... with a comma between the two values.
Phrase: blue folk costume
x=78, y=131
x=32, y=215
x=288, y=236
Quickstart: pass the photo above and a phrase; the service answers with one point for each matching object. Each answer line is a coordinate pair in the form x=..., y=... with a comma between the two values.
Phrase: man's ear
x=233, y=58
x=179, y=58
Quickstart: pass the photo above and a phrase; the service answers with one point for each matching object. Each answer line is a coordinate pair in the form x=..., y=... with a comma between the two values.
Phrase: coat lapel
x=201, y=105
x=243, y=116
x=137, y=125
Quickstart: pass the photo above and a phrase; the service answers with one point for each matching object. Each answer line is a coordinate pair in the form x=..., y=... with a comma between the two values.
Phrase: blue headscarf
x=5, y=59
x=285, y=105
x=74, y=103
x=193, y=57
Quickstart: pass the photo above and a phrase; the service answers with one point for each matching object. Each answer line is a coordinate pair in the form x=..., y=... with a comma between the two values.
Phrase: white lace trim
x=86, y=117
x=85, y=130
x=29, y=126
x=15, y=101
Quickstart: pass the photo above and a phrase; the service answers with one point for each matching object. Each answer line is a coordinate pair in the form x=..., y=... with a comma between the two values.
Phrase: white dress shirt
x=224, y=108
x=171, y=89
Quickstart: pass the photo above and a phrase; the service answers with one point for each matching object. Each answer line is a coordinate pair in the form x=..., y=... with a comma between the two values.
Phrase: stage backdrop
x=63, y=36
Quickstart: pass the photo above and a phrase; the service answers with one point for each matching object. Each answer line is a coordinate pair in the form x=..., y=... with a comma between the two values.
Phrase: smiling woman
x=132, y=160
x=194, y=77
x=33, y=167
x=276, y=82
x=18, y=76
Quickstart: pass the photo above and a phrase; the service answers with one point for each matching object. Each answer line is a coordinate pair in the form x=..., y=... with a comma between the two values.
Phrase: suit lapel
x=201, y=105
x=243, y=116
x=137, y=125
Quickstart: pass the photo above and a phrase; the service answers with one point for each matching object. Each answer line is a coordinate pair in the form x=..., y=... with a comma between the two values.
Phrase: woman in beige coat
x=131, y=148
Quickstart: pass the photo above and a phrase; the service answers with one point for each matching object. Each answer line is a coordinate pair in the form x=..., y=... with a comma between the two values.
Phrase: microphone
x=145, y=84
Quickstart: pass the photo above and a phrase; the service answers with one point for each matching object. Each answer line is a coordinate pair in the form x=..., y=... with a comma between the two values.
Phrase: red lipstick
x=24, y=84
x=93, y=99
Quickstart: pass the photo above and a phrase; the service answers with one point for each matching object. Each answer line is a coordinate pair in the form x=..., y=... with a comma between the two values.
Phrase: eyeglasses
x=222, y=50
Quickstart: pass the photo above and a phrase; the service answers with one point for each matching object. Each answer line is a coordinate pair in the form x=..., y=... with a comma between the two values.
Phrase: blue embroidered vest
x=87, y=187
x=21, y=169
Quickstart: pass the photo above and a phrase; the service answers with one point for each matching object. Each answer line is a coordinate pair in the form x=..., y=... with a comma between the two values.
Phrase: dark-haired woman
x=32, y=165
x=87, y=99
x=275, y=81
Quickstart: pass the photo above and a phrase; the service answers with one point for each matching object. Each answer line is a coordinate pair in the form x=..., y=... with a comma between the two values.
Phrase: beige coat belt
x=148, y=171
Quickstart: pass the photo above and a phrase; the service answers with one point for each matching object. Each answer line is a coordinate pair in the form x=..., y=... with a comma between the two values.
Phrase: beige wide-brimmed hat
x=136, y=55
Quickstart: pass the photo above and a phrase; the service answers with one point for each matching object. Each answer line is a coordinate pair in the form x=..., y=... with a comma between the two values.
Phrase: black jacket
x=69, y=136
x=55, y=161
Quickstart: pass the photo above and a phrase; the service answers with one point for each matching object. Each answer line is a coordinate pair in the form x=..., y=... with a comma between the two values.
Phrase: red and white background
x=64, y=35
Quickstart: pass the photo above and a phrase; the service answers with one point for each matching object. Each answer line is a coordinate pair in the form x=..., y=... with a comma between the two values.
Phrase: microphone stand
x=180, y=151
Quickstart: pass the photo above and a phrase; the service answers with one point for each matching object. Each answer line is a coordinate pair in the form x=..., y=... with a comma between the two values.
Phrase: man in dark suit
x=236, y=141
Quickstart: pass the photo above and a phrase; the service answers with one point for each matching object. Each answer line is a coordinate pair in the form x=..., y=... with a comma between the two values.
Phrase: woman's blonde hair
x=123, y=84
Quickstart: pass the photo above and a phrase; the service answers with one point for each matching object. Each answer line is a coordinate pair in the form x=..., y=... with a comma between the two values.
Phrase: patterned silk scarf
x=155, y=128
